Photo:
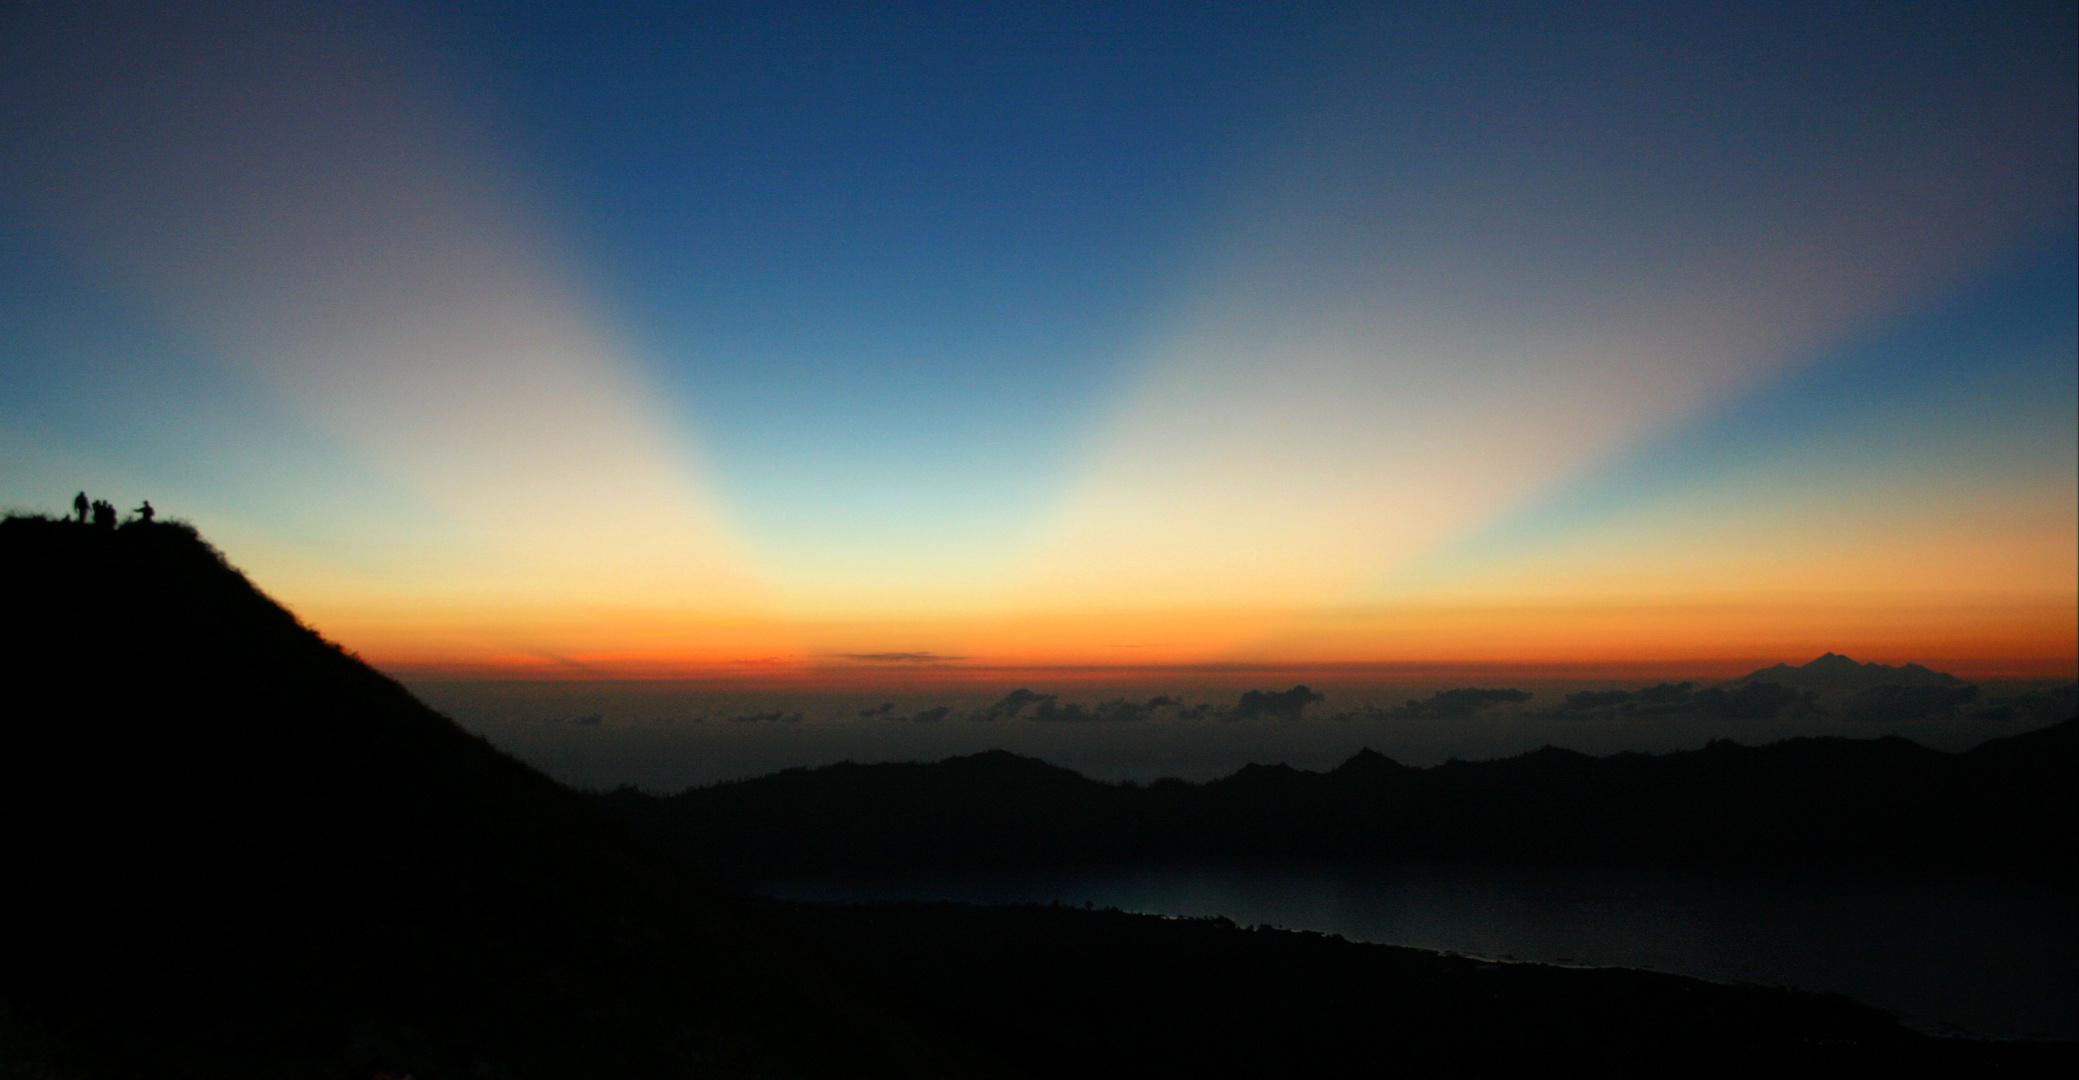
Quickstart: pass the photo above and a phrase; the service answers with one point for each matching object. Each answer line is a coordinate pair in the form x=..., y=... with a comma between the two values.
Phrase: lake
x=1946, y=954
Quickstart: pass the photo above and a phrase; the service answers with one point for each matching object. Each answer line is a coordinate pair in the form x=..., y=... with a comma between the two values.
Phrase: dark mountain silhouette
x=1837, y=675
x=232, y=850
x=2006, y=806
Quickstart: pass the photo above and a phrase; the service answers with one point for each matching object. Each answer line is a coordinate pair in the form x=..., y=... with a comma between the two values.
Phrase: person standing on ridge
x=145, y=512
x=79, y=507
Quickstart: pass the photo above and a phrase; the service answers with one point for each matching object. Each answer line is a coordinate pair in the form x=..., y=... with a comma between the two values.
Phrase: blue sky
x=790, y=329
x=889, y=256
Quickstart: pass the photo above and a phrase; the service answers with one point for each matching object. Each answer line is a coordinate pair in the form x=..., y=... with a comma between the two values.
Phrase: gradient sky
x=673, y=338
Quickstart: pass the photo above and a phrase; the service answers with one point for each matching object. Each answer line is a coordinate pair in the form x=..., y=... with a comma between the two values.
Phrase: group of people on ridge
x=104, y=512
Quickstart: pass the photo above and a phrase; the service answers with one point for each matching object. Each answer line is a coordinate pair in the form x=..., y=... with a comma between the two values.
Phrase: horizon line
x=864, y=676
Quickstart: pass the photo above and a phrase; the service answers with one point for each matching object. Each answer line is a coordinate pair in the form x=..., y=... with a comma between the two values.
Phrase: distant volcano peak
x=1833, y=672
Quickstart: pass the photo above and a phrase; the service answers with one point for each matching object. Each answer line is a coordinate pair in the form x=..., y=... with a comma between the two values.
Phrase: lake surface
x=1948, y=955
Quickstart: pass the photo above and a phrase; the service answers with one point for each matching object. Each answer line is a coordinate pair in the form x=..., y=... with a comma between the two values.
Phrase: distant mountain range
x=1833, y=685
x=2007, y=805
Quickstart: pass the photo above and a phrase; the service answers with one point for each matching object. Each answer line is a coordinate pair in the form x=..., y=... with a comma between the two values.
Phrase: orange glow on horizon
x=2013, y=640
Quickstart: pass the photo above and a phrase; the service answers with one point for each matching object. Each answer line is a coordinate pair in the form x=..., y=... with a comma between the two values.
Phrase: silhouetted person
x=104, y=514
x=145, y=512
x=79, y=507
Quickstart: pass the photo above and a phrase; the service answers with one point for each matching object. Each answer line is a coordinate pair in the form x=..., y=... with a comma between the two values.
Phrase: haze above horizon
x=840, y=341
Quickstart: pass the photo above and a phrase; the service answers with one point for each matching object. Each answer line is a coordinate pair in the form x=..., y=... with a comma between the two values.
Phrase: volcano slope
x=234, y=850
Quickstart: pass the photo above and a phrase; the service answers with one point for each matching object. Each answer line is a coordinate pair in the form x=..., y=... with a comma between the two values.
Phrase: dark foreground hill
x=1074, y=994
x=231, y=850
x=2007, y=806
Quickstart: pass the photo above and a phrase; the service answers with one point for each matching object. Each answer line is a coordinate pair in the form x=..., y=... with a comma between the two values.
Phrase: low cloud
x=1287, y=704
x=1460, y=704
x=1017, y=701
x=1903, y=704
x=2042, y=706
x=1754, y=701
x=1049, y=709
x=1118, y=710
x=900, y=657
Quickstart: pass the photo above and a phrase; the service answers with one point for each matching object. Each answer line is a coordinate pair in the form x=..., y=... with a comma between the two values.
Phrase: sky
x=633, y=340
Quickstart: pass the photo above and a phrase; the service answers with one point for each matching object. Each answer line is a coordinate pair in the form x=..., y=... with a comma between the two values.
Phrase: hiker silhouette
x=79, y=507
x=144, y=513
x=104, y=514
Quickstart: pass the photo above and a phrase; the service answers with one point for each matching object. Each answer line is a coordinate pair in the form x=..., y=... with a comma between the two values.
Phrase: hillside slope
x=1075, y=994
x=233, y=850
